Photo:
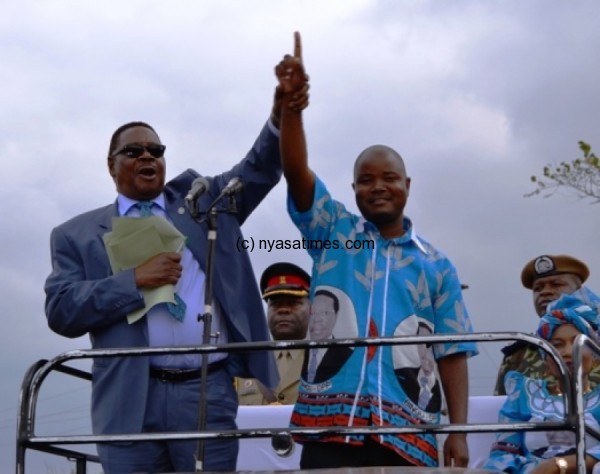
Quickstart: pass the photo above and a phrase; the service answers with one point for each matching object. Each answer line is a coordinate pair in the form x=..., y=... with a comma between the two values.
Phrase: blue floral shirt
x=380, y=287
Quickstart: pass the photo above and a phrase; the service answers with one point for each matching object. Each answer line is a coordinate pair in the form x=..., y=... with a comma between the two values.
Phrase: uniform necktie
x=283, y=358
x=177, y=309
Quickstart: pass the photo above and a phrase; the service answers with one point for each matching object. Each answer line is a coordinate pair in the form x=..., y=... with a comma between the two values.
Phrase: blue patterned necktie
x=145, y=208
x=176, y=309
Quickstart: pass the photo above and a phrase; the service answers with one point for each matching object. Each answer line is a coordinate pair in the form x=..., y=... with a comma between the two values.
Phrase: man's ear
x=111, y=166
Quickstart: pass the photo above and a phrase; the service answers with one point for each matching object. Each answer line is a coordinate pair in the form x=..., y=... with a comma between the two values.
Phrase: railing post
x=81, y=466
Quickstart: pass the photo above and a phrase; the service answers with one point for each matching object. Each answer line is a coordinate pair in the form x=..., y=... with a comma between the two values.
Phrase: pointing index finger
x=297, y=46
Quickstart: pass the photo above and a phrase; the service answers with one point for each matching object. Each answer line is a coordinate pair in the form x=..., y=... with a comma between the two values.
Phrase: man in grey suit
x=83, y=295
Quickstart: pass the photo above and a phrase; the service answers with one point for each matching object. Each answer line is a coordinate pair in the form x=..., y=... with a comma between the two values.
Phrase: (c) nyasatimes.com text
x=302, y=244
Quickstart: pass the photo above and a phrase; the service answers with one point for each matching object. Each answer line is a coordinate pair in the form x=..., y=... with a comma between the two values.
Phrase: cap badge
x=282, y=280
x=543, y=264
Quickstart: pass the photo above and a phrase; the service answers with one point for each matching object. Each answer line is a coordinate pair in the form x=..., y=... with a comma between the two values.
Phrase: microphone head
x=201, y=183
x=199, y=186
x=234, y=186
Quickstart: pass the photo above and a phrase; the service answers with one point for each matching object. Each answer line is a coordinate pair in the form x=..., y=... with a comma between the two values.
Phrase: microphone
x=199, y=187
x=234, y=186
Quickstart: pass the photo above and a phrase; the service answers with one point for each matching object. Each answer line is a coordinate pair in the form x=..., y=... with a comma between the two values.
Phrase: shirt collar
x=294, y=353
x=124, y=203
x=363, y=225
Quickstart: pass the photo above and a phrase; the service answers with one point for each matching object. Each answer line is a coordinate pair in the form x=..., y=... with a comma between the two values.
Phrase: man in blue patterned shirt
x=389, y=282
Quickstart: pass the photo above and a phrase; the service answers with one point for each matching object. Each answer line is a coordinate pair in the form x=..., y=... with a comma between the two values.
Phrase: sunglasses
x=135, y=151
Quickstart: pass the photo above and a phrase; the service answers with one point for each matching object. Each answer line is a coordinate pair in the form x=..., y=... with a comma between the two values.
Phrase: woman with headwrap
x=534, y=400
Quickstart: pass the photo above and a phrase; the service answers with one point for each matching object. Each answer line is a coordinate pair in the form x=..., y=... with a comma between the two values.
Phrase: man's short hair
x=548, y=265
x=329, y=294
x=117, y=133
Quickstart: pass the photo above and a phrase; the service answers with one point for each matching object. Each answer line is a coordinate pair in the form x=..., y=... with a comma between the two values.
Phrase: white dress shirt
x=163, y=329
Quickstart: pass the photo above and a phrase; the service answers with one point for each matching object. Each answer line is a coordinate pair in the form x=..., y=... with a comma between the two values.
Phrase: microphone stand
x=207, y=316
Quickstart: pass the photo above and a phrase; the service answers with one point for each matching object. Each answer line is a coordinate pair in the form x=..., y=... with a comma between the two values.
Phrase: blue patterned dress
x=385, y=287
x=529, y=400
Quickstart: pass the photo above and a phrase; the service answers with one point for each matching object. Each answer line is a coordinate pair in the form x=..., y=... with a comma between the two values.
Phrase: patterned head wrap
x=581, y=309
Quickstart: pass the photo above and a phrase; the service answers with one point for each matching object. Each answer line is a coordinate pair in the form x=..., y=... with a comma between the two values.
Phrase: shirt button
x=280, y=397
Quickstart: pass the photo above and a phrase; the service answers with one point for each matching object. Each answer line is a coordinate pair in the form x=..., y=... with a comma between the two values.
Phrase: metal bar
x=26, y=438
x=265, y=433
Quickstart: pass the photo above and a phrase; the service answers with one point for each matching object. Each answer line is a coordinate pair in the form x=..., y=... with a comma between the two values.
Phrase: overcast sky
x=476, y=96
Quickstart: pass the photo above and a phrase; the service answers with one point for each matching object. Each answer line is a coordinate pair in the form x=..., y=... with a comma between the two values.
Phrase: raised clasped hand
x=293, y=81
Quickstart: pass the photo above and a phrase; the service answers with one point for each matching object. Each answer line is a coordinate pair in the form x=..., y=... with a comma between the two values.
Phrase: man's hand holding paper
x=149, y=245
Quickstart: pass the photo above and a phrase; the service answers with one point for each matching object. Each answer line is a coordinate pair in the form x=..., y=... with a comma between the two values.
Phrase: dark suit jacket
x=407, y=377
x=331, y=363
x=83, y=296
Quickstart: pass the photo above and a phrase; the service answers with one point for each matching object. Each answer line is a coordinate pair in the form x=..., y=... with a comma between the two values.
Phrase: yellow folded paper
x=132, y=242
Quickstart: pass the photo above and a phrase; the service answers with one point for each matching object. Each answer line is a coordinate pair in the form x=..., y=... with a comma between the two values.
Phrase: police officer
x=548, y=277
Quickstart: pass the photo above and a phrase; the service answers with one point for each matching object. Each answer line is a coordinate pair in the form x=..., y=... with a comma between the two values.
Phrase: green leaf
x=585, y=148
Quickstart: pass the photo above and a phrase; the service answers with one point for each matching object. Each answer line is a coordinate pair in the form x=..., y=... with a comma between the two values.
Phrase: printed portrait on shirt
x=415, y=366
x=332, y=316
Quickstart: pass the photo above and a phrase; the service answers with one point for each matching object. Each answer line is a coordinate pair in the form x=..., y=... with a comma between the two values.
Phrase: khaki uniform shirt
x=289, y=365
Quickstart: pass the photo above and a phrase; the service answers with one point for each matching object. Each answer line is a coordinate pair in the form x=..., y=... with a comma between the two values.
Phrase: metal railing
x=27, y=439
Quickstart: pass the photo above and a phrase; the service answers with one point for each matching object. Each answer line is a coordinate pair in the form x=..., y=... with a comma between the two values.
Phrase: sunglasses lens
x=156, y=151
x=133, y=151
